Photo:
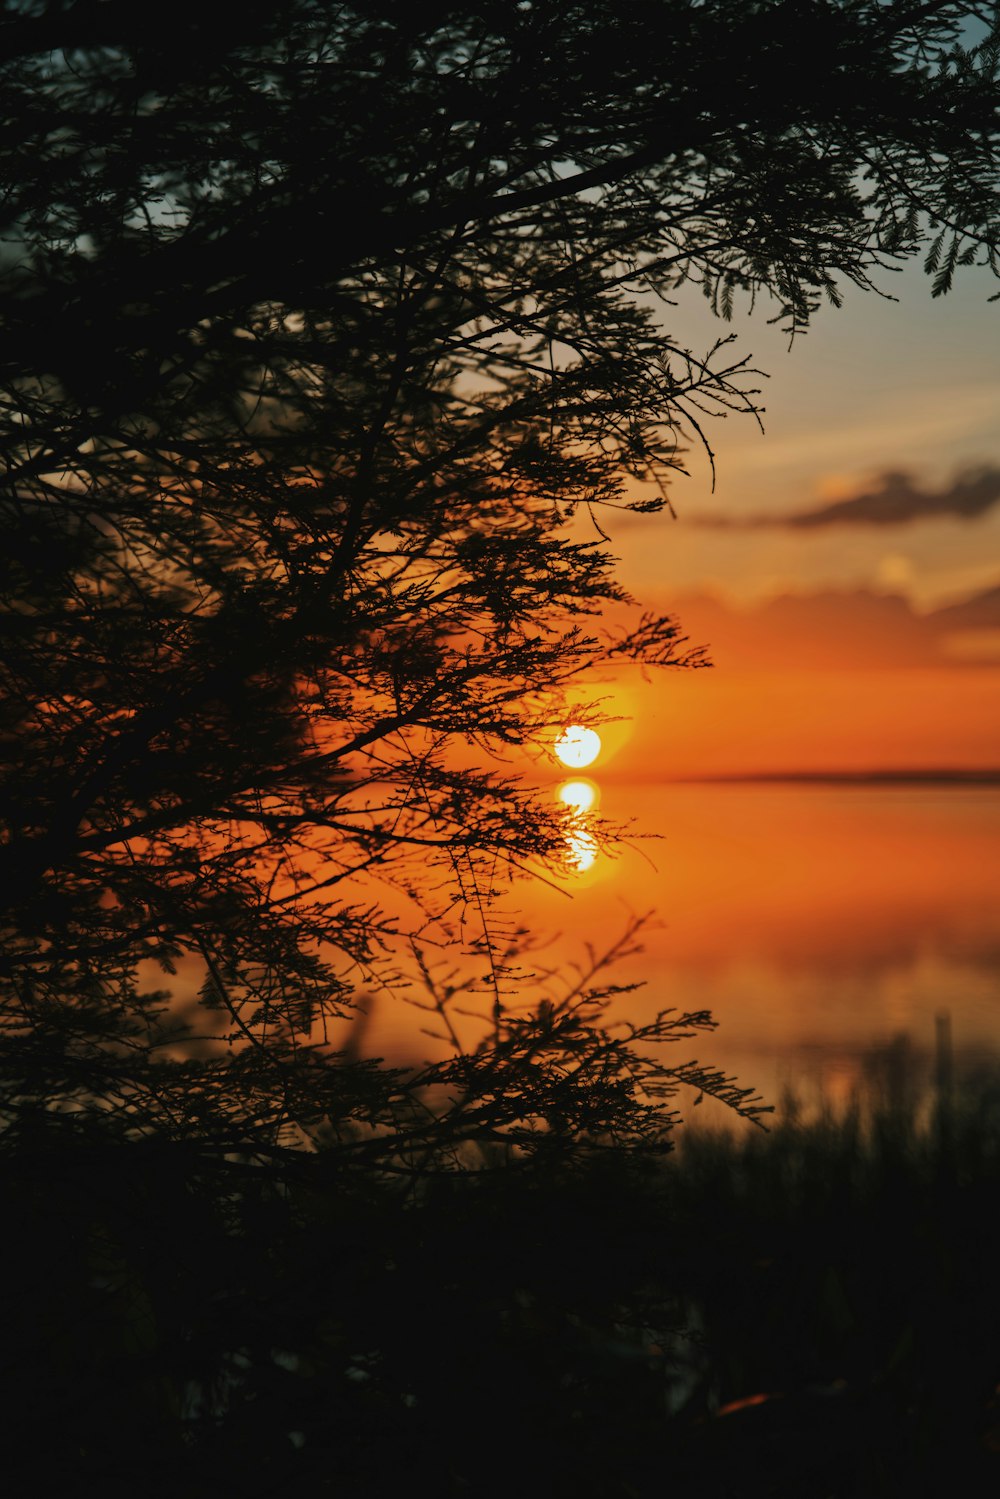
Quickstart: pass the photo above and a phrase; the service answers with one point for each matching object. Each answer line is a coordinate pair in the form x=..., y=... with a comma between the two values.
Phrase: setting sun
x=578, y=746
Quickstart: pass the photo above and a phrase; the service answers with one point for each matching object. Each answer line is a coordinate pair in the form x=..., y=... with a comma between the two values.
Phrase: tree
x=320, y=337
x=317, y=340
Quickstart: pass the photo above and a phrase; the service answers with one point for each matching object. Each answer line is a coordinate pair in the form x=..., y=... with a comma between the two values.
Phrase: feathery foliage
x=322, y=336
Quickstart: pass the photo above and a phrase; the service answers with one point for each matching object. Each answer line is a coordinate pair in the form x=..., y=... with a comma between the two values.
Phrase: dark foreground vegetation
x=812, y=1311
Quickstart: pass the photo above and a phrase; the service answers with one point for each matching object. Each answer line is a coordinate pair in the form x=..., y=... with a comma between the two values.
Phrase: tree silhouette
x=318, y=336
x=331, y=343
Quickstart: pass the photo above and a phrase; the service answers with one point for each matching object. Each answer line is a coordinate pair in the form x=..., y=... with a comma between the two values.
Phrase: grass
x=843, y=1271
x=811, y=1313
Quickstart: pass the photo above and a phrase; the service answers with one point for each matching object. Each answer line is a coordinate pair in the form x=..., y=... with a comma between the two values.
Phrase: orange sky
x=814, y=921
x=844, y=646
x=841, y=640
x=718, y=723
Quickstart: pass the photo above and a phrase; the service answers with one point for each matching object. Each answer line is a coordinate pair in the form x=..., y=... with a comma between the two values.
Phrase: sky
x=845, y=572
x=844, y=576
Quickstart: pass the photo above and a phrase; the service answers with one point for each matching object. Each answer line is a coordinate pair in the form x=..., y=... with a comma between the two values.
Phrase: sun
x=577, y=746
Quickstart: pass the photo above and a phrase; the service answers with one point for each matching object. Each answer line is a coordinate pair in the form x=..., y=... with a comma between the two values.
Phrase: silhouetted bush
x=815, y=1310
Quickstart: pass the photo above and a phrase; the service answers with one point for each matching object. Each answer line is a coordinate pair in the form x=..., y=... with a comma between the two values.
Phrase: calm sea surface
x=823, y=926
x=819, y=924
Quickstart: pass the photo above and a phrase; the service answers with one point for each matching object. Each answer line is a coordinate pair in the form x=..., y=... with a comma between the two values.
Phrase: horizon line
x=891, y=775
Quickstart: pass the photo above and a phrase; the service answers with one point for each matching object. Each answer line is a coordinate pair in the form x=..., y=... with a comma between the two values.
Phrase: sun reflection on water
x=581, y=850
x=579, y=797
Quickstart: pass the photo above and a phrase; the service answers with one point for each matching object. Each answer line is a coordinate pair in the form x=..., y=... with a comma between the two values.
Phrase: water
x=819, y=924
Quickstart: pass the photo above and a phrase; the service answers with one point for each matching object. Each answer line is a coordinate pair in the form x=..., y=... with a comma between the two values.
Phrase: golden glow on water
x=577, y=746
x=814, y=923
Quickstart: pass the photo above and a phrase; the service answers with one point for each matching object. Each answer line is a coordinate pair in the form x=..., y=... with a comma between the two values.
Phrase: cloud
x=843, y=629
x=979, y=612
x=896, y=499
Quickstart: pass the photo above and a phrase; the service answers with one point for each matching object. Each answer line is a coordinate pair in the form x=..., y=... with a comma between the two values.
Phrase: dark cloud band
x=895, y=500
